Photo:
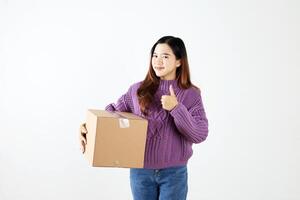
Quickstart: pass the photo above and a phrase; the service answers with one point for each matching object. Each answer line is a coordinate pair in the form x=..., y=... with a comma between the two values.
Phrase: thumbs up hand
x=169, y=101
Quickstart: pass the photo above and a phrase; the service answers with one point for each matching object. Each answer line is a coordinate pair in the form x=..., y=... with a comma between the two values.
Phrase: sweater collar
x=165, y=84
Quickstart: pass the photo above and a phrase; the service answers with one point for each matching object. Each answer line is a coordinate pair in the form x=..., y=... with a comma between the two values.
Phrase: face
x=164, y=62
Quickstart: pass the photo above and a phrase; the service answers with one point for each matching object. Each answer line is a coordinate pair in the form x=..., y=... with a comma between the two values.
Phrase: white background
x=59, y=58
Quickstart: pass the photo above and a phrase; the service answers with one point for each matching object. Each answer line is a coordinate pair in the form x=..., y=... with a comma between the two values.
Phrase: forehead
x=163, y=49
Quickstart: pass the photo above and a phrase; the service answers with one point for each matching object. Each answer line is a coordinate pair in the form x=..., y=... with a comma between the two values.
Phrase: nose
x=158, y=60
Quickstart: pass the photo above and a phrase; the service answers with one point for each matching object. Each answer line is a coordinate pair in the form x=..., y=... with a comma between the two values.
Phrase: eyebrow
x=163, y=54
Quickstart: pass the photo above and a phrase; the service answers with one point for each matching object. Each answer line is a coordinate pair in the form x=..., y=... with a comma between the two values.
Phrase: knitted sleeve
x=191, y=123
x=124, y=103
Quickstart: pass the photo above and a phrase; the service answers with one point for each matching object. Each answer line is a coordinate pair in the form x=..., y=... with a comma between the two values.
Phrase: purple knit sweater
x=170, y=134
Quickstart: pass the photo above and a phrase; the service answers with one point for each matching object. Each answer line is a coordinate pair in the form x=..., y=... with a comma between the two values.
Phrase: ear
x=178, y=63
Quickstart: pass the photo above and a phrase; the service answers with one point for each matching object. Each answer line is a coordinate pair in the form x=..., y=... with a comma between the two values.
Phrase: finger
x=172, y=93
x=163, y=103
x=83, y=124
x=81, y=147
x=83, y=144
x=83, y=129
x=163, y=96
x=84, y=139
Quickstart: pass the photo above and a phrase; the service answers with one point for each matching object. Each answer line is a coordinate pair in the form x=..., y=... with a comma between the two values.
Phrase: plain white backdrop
x=60, y=58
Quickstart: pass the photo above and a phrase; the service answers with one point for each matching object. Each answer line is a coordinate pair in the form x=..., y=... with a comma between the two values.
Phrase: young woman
x=176, y=119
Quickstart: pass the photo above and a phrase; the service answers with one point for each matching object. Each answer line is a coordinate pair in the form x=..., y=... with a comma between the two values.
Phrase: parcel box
x=115, y=139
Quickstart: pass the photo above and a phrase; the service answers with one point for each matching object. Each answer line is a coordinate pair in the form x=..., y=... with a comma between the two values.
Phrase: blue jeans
x=159, y=184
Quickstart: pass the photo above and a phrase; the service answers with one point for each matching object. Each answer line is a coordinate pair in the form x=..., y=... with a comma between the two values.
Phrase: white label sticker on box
x=124, y=123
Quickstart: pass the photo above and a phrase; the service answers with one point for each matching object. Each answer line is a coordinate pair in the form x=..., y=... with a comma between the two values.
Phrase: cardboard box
x=115, y=139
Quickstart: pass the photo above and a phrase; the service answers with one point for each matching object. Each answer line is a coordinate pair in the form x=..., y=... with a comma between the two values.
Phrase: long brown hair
x=150, y=84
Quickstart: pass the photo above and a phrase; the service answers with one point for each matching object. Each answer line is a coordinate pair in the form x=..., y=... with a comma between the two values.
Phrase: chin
x=160, y=76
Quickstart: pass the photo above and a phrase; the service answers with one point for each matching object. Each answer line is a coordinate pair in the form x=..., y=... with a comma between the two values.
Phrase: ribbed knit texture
x=170, y=134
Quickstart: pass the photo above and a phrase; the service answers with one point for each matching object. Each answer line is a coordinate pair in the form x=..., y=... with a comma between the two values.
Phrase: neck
x=165, y=84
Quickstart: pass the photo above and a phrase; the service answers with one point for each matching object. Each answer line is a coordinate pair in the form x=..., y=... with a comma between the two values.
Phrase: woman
x=176, y=119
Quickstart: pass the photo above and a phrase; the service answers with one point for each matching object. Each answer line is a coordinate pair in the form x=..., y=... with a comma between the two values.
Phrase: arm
x=124, y=103
x=191, y=123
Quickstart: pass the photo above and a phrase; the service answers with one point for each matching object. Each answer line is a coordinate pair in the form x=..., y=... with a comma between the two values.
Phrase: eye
x=155, y=56
x=165, y=56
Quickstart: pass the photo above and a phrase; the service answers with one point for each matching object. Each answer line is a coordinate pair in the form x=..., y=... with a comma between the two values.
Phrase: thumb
x=172, y=93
